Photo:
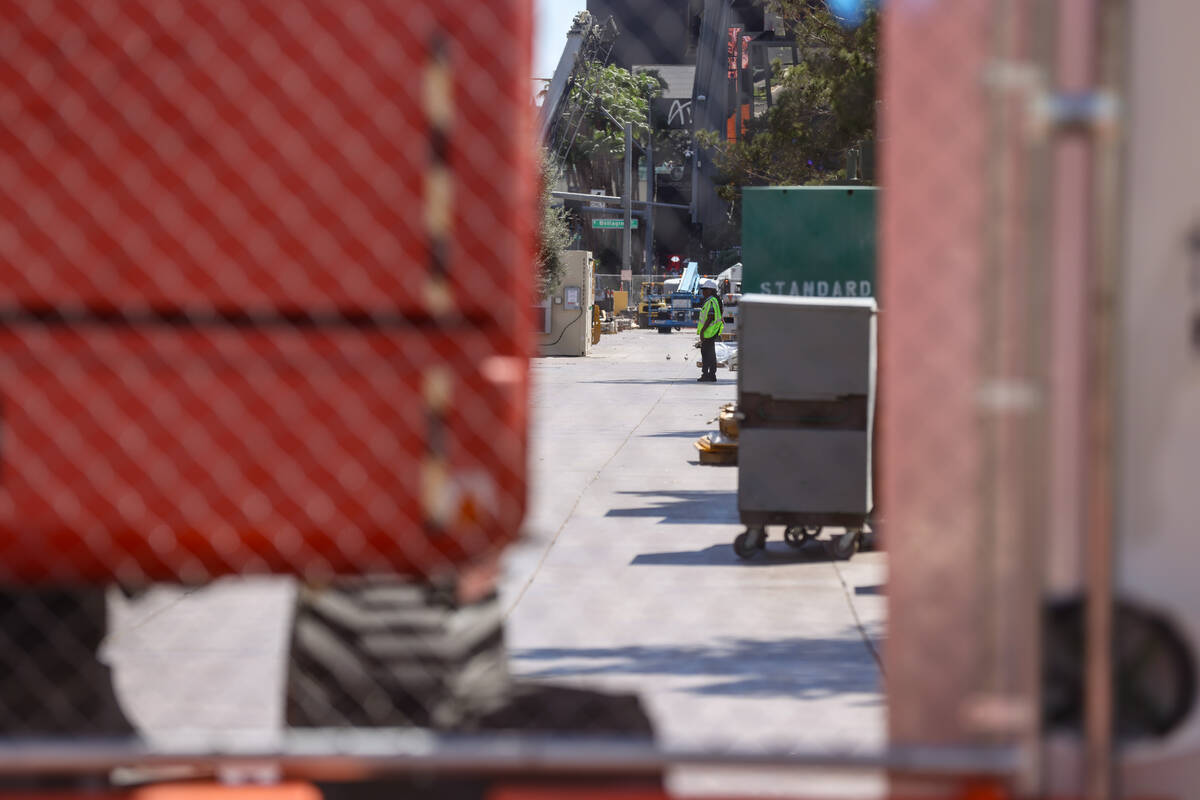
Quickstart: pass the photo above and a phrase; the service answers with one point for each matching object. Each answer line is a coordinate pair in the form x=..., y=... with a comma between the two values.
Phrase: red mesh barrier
x=263, y=271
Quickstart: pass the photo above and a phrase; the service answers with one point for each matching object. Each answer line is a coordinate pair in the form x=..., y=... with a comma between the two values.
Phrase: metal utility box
x=569, y=310
x=809, y=241
x=806, y=395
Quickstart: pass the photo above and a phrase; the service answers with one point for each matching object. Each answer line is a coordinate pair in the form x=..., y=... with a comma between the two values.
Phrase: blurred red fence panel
x=263, y=156
x=164, y=454
x=264, y=272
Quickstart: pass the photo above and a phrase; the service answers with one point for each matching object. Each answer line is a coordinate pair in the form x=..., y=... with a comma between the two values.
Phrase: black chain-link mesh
x=265, y=280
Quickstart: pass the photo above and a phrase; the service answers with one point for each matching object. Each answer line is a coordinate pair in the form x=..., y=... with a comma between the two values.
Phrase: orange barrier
x=214, y=791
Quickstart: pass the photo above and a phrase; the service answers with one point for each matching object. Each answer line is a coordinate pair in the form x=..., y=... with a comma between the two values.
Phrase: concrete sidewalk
x=627, y=579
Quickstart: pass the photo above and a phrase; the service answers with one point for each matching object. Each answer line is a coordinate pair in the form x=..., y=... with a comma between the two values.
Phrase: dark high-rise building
x=651, y=31
x=694, y=47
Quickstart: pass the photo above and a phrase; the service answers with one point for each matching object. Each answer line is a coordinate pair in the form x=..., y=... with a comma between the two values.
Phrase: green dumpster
x=809, y=241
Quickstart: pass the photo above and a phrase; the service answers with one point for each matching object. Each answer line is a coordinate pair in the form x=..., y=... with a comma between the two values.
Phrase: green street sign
x=611, y=222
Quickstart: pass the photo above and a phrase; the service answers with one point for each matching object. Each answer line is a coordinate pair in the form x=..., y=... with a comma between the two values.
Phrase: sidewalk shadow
x=638, y=381
x=796, y=667
x=722, y=555
x=676, y=434
x=660, y=381
x=683, y=507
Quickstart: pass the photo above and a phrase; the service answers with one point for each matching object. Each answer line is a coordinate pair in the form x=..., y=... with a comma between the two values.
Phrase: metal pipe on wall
x=1100, y=688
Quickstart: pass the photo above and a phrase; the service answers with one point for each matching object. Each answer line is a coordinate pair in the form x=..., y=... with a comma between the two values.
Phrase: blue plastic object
x=689, y=281
x=850, y=12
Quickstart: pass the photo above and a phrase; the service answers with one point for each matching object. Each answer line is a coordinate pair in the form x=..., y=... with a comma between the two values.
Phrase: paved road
x=626, y=580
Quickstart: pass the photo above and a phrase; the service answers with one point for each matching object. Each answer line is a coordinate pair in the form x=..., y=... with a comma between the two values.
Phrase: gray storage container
x=807, y=348
x=806, y=394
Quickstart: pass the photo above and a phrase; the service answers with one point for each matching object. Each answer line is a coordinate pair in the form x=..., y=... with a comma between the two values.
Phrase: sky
x=552, y=20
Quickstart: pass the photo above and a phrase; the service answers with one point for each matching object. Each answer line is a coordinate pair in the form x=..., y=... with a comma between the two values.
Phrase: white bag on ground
x=726, y=355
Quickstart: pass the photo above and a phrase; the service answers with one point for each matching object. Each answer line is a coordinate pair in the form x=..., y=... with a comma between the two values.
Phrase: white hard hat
x=708, y=283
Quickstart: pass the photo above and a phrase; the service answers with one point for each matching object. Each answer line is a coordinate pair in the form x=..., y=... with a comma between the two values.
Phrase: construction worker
x=709, y=327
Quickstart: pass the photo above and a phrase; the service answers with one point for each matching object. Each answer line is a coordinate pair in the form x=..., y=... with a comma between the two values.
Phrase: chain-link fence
x=639, y=288
x=270, y=438
x=250, y=264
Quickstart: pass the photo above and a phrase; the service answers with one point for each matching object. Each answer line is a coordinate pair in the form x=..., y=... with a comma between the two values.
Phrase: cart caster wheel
x=798, y=535
x=868, y=542
x=747, y=544
x=845, y=546
x=870, y=537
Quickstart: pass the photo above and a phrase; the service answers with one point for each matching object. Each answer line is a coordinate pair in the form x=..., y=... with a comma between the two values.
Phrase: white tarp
x=727, y=355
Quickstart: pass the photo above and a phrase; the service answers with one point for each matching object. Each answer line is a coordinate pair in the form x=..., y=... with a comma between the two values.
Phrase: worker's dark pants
x=708, y=356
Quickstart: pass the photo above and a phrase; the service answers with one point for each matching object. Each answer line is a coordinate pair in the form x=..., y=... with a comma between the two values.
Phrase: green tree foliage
x=554, y=234
x=598, y=151
x=823, y=106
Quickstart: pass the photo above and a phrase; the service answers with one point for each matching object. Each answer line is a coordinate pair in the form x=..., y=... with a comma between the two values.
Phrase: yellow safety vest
x=710, y=323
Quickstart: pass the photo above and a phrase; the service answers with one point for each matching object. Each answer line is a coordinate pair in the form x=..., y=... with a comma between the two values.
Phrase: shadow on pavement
x=684, y=507
x=796, y=667
x=642, y=381
x=676, y=434
x=722, y=555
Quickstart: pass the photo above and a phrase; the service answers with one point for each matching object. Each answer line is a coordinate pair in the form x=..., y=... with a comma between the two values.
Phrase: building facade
x=709, y=54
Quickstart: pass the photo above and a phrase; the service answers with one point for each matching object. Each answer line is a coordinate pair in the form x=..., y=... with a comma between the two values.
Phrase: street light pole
x=627, y=192
x=648, y=233
x=627, y=196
